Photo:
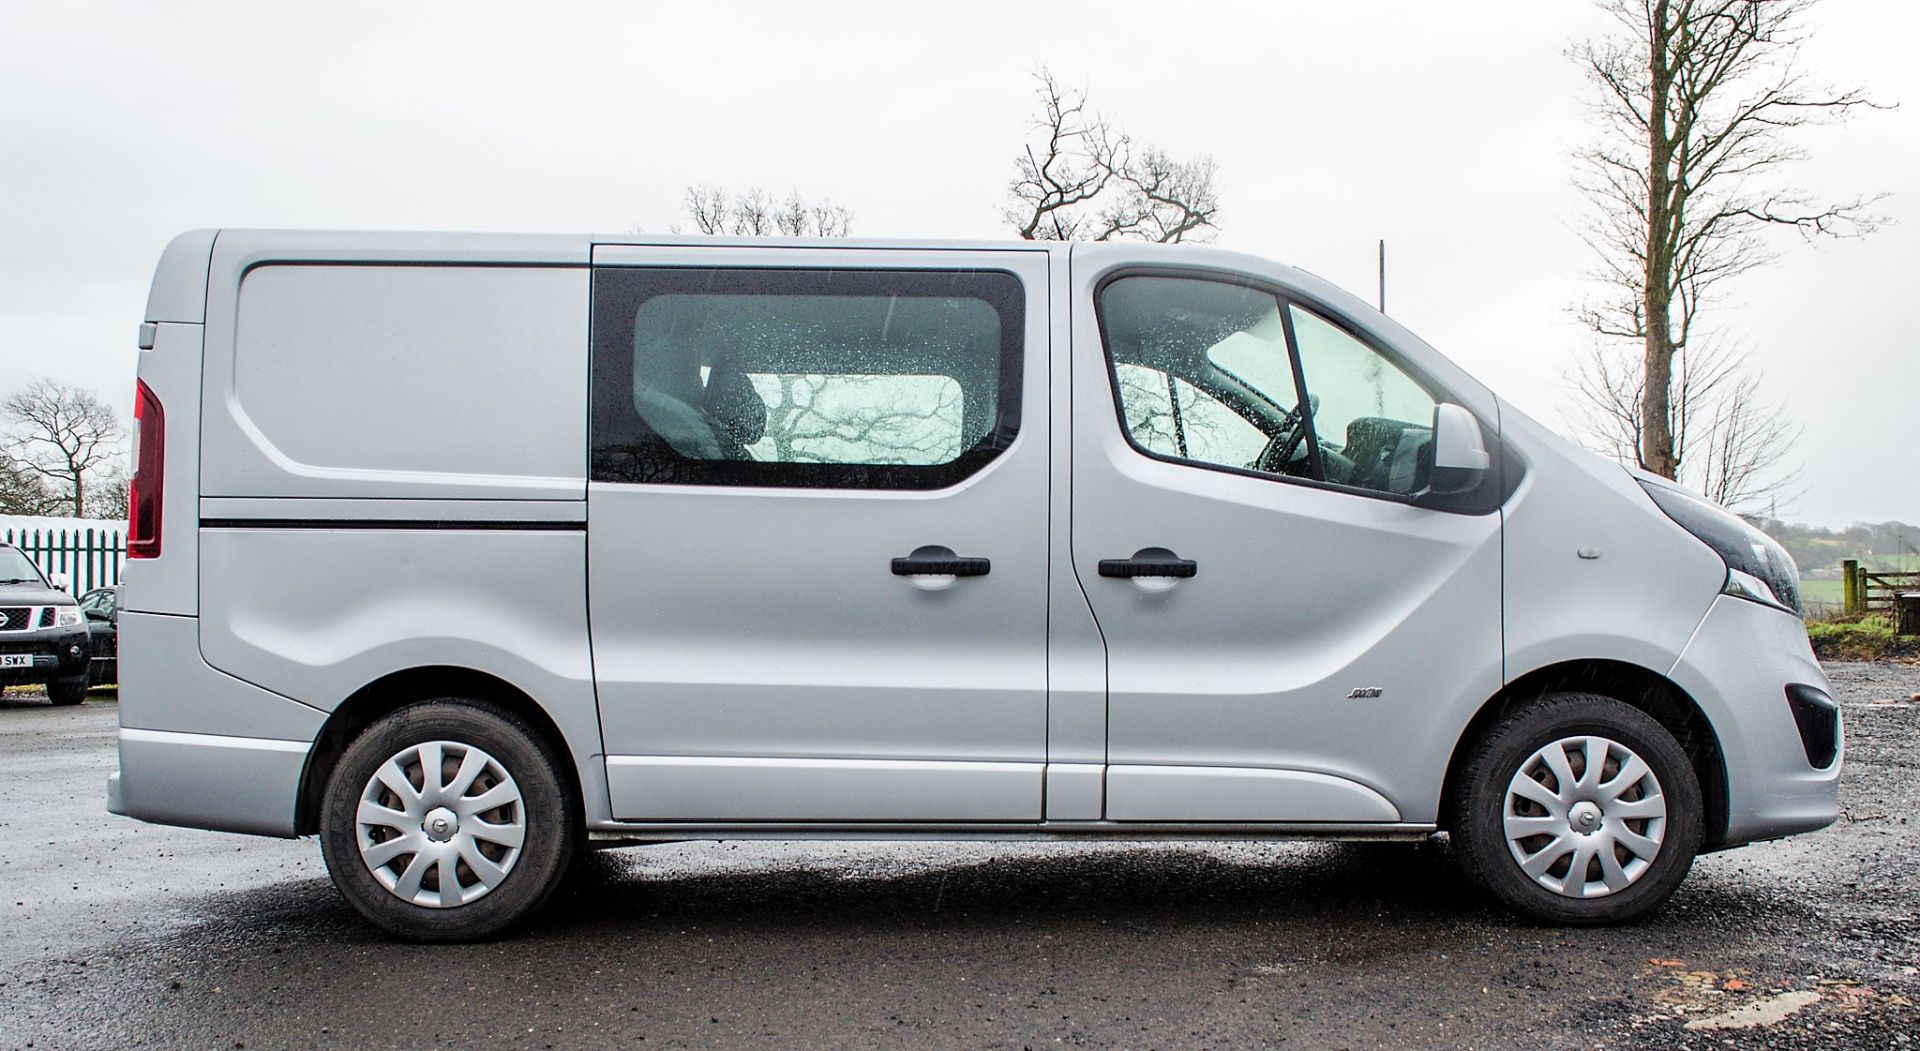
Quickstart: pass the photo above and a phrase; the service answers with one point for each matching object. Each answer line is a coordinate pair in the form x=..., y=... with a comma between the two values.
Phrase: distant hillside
x=1889, y=546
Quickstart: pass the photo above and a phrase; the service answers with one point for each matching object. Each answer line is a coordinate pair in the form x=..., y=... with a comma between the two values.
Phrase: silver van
x=466, y=553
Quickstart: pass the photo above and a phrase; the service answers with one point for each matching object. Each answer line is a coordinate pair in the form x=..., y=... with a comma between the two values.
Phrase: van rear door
x=817, y=532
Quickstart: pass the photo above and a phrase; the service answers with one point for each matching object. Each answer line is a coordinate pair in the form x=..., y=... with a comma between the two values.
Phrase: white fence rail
x=88, y=551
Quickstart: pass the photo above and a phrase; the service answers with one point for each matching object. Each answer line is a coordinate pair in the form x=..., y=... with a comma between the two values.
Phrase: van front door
x=817, y=533
x=1292, y=632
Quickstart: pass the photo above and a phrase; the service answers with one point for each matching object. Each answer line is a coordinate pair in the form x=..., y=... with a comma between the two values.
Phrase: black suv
x=101, y=607
x=43, y=637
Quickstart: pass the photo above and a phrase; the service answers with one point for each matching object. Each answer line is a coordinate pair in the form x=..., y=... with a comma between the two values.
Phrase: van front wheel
x=1578, y=809
x=447, y=821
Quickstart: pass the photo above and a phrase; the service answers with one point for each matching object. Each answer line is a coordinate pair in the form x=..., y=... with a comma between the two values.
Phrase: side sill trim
x=635, y=831
x=395, y=524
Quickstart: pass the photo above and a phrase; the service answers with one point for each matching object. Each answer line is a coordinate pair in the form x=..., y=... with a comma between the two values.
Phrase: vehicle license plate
x=16, y=660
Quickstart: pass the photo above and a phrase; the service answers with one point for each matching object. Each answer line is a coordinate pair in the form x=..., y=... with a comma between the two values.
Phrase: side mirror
x=1460, y=459
x=59, y=581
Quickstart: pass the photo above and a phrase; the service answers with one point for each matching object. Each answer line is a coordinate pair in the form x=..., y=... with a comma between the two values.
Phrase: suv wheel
x=65, y=692
x=448, y=821
x=1578, y=809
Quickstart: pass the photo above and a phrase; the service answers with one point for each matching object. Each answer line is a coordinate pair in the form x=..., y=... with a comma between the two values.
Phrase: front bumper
x=58, y=653
x=1738, y=667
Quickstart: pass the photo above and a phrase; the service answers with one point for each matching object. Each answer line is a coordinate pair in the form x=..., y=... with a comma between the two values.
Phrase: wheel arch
x=398, y=689
x=1632, y=684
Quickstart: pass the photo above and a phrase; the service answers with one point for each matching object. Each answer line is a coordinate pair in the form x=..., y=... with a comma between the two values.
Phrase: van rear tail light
x=149, y=467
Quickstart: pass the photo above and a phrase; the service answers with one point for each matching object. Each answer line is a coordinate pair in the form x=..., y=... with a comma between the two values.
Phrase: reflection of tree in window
x=1376, y=371
x=1172, y=417
x=865, y=419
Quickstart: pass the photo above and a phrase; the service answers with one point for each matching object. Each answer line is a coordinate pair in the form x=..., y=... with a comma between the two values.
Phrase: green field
x=1826, y=596
x=1818, y=593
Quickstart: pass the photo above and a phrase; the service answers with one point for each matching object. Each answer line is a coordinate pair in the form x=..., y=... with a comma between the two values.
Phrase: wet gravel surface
x=114, y=933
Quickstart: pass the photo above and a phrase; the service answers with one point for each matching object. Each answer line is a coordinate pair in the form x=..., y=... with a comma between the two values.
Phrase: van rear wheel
x=1578, y=809
x=447, y=820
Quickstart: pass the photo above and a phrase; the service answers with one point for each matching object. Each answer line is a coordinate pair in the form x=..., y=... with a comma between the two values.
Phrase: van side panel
x=422, y=380
x=318, y=613
x=166, y=686
x=393, y=468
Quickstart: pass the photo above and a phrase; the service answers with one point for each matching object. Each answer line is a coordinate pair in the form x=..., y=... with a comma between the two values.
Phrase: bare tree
x=1161, y=199
x=110, y=491
x=1730, y=440
x=1077, y=156
x=710, y=208
x=61, y=434
x=1695, y=101
x=1081, y=179
x=754, y=213
x=830, y=220
x=23, y=492
x=1741, y=462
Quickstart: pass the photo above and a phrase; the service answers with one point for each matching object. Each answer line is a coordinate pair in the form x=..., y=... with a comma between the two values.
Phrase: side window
x=1373, y=422
x=1210, y=371
x=822, y=378
x=1202, y=374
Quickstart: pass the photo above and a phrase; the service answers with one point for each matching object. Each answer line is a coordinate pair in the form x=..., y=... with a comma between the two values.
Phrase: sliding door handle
x=1149, y=562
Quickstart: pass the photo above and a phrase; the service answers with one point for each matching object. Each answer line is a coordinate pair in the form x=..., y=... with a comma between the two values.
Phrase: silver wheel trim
x=440, y=824
x=1584, y=817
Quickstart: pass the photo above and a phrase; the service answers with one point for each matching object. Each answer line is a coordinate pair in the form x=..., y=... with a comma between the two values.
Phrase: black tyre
x=1558, y=840
x=448, y=820
x=65, y=692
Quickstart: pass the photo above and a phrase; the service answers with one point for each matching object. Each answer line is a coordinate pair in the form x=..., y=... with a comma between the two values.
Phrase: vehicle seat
x=735, y=411
x=1387, y=454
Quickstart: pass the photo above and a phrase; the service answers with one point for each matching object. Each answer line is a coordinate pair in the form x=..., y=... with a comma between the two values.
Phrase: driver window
x=1201, y=372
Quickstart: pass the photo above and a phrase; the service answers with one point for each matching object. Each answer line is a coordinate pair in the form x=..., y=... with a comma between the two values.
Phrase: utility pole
x=1383, y=275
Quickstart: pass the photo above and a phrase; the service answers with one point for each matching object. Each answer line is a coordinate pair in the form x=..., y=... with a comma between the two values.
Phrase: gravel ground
x=114, y=933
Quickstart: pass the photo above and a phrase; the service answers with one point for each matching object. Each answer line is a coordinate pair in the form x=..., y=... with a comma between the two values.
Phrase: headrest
x=734, y=407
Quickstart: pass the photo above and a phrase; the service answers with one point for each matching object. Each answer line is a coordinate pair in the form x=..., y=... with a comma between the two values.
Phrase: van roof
x=195, y=258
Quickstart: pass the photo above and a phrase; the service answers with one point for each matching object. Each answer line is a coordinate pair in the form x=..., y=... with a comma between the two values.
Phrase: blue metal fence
x=90, y=554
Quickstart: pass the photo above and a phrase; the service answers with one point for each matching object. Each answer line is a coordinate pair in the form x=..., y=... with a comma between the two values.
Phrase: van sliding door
x=817, y=533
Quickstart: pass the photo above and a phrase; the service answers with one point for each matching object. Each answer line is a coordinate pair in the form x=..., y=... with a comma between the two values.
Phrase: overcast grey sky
x=1444, y=128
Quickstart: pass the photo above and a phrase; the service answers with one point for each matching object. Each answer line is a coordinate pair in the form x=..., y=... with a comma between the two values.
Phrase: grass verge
x=1861, y=637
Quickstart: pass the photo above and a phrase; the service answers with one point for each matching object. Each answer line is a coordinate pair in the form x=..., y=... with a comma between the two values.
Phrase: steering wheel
x=1279, y=450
